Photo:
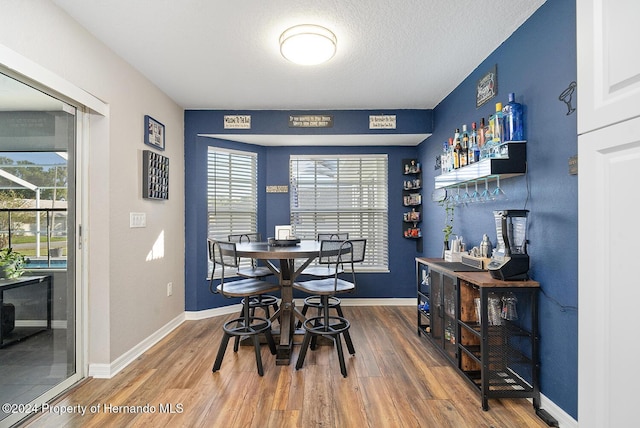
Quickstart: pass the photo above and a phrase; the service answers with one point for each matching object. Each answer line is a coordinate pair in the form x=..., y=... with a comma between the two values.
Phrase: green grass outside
x=20, y=239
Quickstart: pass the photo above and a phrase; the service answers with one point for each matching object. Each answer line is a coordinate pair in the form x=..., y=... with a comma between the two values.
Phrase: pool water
x=42, y=264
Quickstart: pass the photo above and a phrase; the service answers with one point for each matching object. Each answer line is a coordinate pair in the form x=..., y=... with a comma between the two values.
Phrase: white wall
x=127, y=294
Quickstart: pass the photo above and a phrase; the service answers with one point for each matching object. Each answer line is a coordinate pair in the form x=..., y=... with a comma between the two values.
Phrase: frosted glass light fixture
x=308, y=44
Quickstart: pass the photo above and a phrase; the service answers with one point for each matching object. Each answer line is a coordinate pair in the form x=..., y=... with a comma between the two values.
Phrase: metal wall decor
x=155, y=175
x=567, y=97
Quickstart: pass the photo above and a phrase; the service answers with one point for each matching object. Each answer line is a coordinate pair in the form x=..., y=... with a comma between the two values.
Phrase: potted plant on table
x=11, y=263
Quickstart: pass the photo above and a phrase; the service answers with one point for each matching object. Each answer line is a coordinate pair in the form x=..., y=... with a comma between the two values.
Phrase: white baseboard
x=209, y=313
x=107, y=371
x=564, y=419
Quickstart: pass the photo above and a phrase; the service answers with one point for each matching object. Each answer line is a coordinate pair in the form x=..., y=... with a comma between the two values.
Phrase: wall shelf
x=412, y=200
x=513, y=165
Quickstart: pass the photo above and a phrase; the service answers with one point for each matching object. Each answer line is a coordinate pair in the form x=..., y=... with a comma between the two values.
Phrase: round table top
x=262, y=250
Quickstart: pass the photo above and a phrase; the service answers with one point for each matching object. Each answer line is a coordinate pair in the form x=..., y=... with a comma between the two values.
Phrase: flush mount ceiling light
x=308, y=44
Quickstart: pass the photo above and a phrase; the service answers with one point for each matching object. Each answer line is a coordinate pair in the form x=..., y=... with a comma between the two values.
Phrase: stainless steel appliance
x=510, y=260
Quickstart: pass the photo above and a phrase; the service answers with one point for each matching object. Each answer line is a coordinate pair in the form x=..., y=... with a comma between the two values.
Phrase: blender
x=510, y=260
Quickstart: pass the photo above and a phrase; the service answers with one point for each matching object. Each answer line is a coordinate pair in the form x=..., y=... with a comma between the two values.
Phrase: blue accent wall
x=273, y=208
x=537, y=63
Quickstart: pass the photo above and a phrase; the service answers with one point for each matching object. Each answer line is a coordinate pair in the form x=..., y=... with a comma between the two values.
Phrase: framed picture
x=153, y=133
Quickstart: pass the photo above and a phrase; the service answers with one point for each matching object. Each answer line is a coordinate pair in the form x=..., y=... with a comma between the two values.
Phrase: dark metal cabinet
x=486, y=328
x=437, y=302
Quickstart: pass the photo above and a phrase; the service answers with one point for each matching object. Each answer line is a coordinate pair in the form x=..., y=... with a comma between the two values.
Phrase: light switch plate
x=137, y=220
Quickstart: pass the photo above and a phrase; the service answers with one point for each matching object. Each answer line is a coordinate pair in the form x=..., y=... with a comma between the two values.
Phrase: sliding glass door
x=38, y=330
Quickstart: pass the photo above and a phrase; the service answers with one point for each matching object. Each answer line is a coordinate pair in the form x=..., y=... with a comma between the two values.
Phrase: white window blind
x=232, y=193
x=342, y=193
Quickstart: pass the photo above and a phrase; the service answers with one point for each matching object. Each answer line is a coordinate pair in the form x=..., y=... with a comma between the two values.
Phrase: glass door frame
x=77, y=273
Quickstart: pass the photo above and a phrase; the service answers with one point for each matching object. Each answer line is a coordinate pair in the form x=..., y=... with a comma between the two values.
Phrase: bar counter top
x=479, y=278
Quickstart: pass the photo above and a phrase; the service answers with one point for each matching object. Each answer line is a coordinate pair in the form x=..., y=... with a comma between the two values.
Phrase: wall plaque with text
x=382, y=121
x=311, y=121
x=236, y=121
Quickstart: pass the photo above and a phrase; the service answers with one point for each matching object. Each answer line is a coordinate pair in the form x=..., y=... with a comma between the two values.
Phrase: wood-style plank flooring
x=395, y=379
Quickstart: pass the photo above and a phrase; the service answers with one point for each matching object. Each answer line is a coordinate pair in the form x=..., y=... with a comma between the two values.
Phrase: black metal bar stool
x=224, y=254
x=323, y=271
x=335, y=254
x=266, y=302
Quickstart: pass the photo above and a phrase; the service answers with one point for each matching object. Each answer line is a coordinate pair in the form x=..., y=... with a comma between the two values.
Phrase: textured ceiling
x=214, y=54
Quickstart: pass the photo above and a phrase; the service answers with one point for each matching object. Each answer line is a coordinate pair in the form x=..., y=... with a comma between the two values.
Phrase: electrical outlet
x=169, y=289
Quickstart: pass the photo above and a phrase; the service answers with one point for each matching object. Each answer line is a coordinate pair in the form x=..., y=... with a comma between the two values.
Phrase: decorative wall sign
x=382, y=121
x=237, y=121
x=487, y=86
x=155, y=175
x=311, y=121
x=153, y=133
x=278, y=189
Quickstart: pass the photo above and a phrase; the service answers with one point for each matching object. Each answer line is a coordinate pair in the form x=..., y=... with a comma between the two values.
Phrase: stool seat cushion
x=322, y=271
x=254, y=272
x=327, y=286
x=247, y=287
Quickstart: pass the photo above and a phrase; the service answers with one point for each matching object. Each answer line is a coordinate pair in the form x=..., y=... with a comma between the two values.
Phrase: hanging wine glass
x=466, y=198
x=457, y=197
x=475, y=194
x=498, y=193
x=484, y=196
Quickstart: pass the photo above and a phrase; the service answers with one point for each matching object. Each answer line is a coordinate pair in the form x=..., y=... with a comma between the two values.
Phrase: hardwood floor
x=395, y=379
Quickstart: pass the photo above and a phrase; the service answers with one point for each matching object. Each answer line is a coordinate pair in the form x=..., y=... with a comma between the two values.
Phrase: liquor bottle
x=451, y=155
x=473, y=145
x=444, y=161
x=513, y=125
x=473, y=137
x=465, y=137
x=457, y=152
x=464, y=144
x=497, y=125
x=481, y=132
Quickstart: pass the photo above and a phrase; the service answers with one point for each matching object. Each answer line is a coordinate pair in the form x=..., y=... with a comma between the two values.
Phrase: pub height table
x=282, y=262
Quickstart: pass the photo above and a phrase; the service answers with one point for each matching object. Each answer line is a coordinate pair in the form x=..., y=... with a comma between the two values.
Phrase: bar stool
x=262, y=301
x=323, y=271
x=335, y=254
x=224, y=254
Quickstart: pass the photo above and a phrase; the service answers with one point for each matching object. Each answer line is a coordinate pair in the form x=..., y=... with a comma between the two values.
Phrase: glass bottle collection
x=486, y=140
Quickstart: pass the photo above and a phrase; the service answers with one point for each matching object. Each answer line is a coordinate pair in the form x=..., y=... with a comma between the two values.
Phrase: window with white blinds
x=232, y=192
x=342, y=193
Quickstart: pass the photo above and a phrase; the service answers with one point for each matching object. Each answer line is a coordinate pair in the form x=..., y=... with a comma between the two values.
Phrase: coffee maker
x=510, y=260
